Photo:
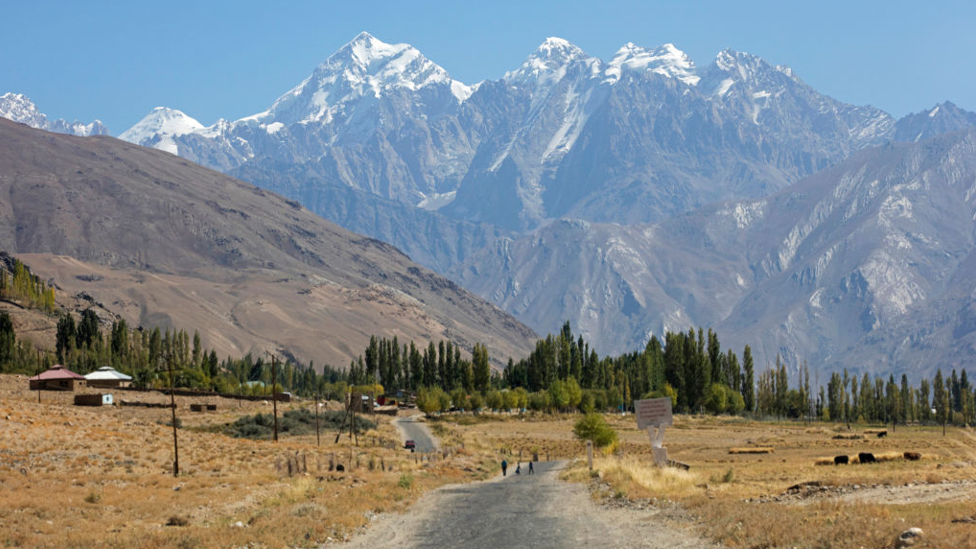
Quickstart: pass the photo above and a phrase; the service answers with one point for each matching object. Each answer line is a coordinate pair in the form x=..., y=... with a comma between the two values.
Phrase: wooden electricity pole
x=318, y=441
x=172, y=400
x=39, y=376
x=274, y=395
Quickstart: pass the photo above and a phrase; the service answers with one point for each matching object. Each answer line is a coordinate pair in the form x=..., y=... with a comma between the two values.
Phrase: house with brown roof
x=58, y=378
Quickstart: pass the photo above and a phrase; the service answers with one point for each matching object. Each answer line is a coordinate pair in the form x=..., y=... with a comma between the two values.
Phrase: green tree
x=459, y=398
x=749, y=383
x=940, y=400
x=716, y=398
x=481, y=368
x=494, y=400
x=66, y=336
x=511, y=399
x=477, y=402
x=558, y=397
x=87, y=329
x=594, y=428
x=8, y=341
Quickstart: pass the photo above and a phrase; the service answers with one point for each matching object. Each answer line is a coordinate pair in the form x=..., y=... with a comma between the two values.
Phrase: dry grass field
x=102, y=477
x=745, y=499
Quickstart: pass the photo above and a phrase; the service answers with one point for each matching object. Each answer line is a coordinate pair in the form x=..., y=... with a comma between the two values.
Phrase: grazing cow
x=841, y=460
x=913, y=456
x=866, y=457
x=882, y=434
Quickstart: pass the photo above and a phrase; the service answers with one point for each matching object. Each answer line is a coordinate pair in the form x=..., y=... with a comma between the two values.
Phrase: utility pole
x=38, y=376
x=274, y=394
x=172, y=400
x=318, y=441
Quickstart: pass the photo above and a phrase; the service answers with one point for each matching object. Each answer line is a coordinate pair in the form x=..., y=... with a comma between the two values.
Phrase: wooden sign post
x=653, y=415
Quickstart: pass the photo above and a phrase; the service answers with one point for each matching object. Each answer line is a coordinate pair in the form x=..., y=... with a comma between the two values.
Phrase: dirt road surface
x=417, y=431
x=534, y=511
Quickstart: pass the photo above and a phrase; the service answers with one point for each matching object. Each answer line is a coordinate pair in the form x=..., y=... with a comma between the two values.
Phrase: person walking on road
x=518, y=468
x=531, y=469
x=504, y=467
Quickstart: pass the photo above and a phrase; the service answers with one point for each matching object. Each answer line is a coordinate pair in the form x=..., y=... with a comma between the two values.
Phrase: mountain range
x=636, y=139
x=628, y=196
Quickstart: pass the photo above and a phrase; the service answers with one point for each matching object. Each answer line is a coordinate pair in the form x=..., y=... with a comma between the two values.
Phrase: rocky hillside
x=166, y=242
x=867, y=265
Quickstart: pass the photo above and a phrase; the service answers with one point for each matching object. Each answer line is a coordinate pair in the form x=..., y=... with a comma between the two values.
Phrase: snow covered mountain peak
x=365, y=49
x=549, y=62
x=158, y=128
x=365, y=67
x=666, y=60
x=19, y=108
x=558, y=47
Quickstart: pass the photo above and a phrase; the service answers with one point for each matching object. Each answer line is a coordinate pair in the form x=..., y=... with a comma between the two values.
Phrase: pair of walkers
x=518, y=468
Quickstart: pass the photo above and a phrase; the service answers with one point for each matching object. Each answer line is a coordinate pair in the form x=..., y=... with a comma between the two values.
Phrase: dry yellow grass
x=718, y=485
x=102, y=477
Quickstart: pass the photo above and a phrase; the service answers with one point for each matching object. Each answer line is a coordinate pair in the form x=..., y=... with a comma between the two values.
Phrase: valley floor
x=102, y=477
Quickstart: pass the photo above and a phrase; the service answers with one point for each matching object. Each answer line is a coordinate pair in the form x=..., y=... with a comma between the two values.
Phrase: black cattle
x=841, y=460
x=866, y=457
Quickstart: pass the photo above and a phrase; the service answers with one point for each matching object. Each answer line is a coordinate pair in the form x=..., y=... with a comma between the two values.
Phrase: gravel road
x=534, y=511
x=411, y=429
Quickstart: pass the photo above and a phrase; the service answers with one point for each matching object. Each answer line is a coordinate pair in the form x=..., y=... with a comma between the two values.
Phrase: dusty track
x=411, y=429
x=537, y=511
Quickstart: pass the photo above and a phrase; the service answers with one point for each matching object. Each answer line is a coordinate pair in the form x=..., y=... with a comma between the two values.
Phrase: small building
x=108, y=377
x=58, y=378
x=94, y=399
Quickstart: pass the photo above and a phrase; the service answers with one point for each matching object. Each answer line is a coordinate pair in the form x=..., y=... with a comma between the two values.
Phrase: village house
x=108, y=377
x=58, y=378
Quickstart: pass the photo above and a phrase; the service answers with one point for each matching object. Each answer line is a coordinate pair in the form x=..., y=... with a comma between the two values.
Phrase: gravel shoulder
x=537, y=511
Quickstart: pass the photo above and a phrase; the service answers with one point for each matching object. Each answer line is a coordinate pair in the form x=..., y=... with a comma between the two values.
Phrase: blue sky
x=117, y=60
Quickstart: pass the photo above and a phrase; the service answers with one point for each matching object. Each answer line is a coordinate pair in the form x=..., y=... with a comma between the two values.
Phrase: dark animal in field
x=340, y=468
x=841, y=460
x=913, y=456
x=882, y=434
x=866, y=457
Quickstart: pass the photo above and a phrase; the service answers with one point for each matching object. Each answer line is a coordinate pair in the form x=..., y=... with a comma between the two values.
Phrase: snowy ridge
x=17, y=107
x=666, y=60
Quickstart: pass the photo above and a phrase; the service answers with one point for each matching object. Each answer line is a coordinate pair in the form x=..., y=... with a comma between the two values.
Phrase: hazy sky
x=117, y=60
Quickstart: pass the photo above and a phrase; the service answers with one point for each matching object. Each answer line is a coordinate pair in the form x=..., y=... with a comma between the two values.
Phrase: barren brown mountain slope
x=165, y=242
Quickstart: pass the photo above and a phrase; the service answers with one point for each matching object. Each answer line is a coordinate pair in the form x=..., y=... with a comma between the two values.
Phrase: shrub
x=406, y=481
x=594, y=428
x=293, y=422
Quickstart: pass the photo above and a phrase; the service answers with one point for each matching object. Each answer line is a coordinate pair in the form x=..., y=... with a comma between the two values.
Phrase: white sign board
x=653, y=412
